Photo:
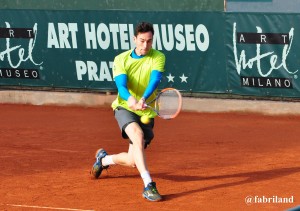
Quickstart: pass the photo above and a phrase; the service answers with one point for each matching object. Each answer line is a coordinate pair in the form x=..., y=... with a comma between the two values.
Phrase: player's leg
x=136, y=135
x=123, y=158
x=135, y=155
x=124, y=118
x=133, y=129
x=127, y=158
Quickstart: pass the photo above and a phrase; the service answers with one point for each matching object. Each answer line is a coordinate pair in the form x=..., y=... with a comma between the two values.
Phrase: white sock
x=107, y=160
x=146, y=178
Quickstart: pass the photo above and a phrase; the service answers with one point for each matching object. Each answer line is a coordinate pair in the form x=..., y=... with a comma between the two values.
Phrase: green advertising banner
x=263, y=57
x=251, y=54
x=76, y=49
x=130, y=5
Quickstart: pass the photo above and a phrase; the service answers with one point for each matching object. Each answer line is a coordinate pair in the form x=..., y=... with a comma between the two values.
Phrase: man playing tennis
x=137, y=74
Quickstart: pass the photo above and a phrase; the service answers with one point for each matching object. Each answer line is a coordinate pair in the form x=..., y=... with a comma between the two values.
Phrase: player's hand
x=132, y=103
x=141, y=105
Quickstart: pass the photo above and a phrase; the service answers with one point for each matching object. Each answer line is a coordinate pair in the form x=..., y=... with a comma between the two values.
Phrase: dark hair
x=143, y=27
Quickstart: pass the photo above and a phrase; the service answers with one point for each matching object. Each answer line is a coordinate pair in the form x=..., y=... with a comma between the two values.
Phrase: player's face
x=143, y=42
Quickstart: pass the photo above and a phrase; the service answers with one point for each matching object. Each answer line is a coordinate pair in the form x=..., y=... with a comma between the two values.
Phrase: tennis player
x=137, y=74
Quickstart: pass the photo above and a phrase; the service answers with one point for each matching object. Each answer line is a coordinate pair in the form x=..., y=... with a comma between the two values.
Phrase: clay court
x=200, y=161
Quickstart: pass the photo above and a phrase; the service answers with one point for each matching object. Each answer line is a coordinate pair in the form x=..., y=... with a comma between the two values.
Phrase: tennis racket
x=167, y=103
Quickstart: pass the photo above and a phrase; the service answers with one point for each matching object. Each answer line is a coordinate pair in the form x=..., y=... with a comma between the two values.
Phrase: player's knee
x=131, y=163
x=139, y=143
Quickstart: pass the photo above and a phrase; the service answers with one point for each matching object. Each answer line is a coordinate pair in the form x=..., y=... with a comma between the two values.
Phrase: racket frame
x=155, y=99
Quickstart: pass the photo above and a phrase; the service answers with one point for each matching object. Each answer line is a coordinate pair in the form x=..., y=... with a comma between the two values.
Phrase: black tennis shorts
x=125, y=117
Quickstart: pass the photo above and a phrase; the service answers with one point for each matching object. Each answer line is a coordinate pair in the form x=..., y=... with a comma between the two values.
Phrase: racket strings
x=168, y=104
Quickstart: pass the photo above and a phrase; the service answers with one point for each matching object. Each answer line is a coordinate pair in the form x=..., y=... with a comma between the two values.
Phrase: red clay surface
x=199, y=161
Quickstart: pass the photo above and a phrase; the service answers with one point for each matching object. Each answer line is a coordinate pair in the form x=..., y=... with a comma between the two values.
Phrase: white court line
x=41, y=207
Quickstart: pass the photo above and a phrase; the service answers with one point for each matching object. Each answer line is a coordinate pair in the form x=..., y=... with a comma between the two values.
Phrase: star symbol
x=183, y=78
x=170, y=77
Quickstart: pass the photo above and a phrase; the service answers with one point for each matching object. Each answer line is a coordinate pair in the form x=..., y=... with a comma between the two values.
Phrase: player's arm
x=156, y=75
x=121, y=83
x=154, y=80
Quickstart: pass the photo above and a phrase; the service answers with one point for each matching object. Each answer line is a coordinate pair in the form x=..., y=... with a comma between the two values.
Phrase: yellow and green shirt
x=138, y=75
